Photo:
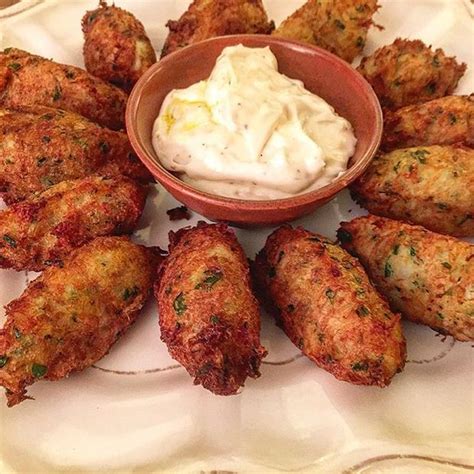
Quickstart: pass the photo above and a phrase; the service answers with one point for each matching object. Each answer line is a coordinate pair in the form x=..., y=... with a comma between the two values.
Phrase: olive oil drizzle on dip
x=249, y=132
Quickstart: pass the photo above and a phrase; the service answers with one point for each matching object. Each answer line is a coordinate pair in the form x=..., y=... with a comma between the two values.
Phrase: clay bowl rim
x=169, y=180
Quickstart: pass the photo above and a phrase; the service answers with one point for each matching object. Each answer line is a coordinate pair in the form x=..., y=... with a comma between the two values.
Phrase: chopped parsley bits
x=395, y=249
x=130, y=293
x=412, y=252
x=362, y=311
x=104, y=147
x=179, y=305
x=360, y=367
x=420, y=155
x=39, y=370
x=3, y=361
x=17, y=333
x=215, y=319
x=339, y=24
x=14, y=66
x=452, y=118
x=360, y=42
x=212, y=277
x=446, y=265
x=9, y=240
x=330, y=294
x=57, y=93
x=388, y=270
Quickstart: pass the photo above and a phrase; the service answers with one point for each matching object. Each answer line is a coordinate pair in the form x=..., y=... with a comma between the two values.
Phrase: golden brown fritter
x=206, y=19
x=443, y=121
x=116, y=47
x=40, y=147
x=69, y=317
x=209, y=317
x=409, y=72
x=340, y=26
x=323, y=300
x=43, y=230
x=26, y=79
x=432, y=186
x=428, y=277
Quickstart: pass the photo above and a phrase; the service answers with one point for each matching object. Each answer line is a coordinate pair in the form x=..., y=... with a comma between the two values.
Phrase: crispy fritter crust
x=209, y=317
x=209, y=18
x=428, y=277
x=340, y=26
x=26, y=79
x=43, y=230
x=40, y=147
x=443, y=121
x=116, y=47
x=68, y=318
x=432, y=186
x=409, y=72
x=323, y=300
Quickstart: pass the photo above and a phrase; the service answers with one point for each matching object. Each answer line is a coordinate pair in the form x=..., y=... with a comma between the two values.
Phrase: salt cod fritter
x=443, y=121
x=116, y=48
x=340, y=26
x=206, y=19
x=408, y=72
x=209, y=318
x=431, y=186
x=69, y=317
x=40, y=147
x=43, y=230
x=27, y=79
x=323, y=300
x=428, y=277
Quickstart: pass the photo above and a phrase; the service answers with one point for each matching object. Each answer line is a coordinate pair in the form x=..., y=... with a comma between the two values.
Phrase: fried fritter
x=209, y=317
x=209, y=18
x=409, y=72
x=40, y=146
x=340, y=26
x=26, y=79
x=428, y=277
x=116, y=47
x=68, y=318
x=443, y=121
x=42, y=231
x=432, y=186
x=323, y=300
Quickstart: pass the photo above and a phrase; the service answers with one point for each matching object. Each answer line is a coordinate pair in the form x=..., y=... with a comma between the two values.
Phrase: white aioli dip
x=250, y=132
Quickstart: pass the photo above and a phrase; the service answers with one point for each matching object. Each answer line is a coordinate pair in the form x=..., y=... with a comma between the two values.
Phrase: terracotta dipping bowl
x=322, y=73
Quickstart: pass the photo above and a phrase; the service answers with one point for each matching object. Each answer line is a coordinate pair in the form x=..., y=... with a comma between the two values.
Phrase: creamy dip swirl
x=249, y=132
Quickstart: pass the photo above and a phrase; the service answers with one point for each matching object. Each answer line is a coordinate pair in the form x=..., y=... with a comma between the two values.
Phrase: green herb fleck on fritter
x=179, y=304
x=38, y=370
x=9, y=240
x=212, y=277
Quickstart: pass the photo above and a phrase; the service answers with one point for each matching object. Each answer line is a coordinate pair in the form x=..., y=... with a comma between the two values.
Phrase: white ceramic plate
x=137, y=411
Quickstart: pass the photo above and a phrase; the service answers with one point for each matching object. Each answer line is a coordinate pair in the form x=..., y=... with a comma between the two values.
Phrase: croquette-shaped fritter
x=340, y=26
x=409, y=72
x=323, y=300
x=43, y=230
x=40, y=147
x=27, y=79
x=443, y=121
x=209, y=18
x=428, y=277
x=116, y=47
x=432, y=186
x=69, y=317
x=209, y=318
